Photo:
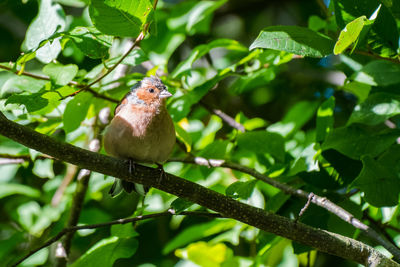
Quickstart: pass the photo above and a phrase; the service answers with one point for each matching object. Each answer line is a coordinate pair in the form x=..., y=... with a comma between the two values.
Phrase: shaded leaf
x=376, y=109
x=32, y=102
x=378, y=181
x=180, y=205
x=197, y=232
x=242, y=190
x=91, y=42
x=263, y=142
x=378, y=73
x=107, y=251
x=355, y=142
x=294, y=39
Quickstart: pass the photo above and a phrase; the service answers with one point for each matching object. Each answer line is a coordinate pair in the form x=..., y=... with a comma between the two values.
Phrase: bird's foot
x=163, y=174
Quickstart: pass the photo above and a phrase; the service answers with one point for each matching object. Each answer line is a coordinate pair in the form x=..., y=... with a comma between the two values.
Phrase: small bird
x=142, y=129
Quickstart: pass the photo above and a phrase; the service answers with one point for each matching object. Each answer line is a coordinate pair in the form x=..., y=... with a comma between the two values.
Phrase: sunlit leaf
x=349, y=34
x=120, y=18
x=325, y=118
x=61, y=74
x=294, y=39
x=76, y=110
x=51, y=18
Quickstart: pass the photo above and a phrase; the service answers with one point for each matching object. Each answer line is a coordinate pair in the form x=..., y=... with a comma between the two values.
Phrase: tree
x=287, y=135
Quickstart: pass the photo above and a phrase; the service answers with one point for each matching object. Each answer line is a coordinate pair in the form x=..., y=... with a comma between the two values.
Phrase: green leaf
x=123, y=230
x=201, y=11
x=355, y=142
x=294, y=39
x=119, y=17
x=51, y=19
x=192, y=16
x=32, y=102
x=379, y=182
x=263, y=142
x=378, y=73
x=91, y=42
x=43, y=168
x=160, y=47
x=295, y=118
x=349, y=34
x=325, y=119
x=205, y=255
x=201, y=50
x=315, y=23
x=347, y=168
x=107, y=251
x=184, y=137
x=60, y=74
x=18, y=189
x=376, y=109
x=19, y=84
x=242, y=190
x=76, y=110
x=197, y=232
x=360, y=90
x=180, y=204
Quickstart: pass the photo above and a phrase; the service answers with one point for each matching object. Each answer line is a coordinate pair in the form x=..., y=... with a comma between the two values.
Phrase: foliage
x=319, y=106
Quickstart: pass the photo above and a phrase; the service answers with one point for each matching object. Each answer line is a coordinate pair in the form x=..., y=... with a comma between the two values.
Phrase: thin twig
x=225, y=117
x=71, y=83
x=37, y=76
x=373, y=55
x=310, y=197
x=317, y=200
x=120, y=221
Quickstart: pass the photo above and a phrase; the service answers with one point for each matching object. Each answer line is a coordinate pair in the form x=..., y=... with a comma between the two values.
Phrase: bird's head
x=149, y=91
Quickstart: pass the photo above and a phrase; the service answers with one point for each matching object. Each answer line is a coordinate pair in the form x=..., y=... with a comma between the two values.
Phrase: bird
x=141, y=131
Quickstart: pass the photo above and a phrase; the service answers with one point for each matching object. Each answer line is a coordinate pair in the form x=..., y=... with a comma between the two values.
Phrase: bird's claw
x=163, y=174
x=132, y=166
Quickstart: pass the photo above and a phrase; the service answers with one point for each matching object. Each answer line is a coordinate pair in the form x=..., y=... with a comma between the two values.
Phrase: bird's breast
x=142, y=136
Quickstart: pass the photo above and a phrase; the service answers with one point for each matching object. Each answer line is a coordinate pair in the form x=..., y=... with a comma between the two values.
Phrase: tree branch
x=322, y=240
x=73, y=229
x=317, y=200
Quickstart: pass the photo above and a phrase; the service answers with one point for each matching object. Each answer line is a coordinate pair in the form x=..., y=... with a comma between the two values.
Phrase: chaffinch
x=141, y=130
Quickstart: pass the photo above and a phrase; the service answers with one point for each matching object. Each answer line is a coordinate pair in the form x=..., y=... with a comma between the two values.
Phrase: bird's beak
x=164, y=94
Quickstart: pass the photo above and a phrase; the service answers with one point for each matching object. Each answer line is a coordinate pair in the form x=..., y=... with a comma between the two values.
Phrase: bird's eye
x=151, y=90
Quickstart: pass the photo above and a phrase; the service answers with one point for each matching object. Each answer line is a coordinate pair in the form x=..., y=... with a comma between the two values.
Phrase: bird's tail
x=128, y=187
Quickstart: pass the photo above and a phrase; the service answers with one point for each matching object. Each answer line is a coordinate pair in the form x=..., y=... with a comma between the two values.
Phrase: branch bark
x=322, y=240
x=316, y=199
